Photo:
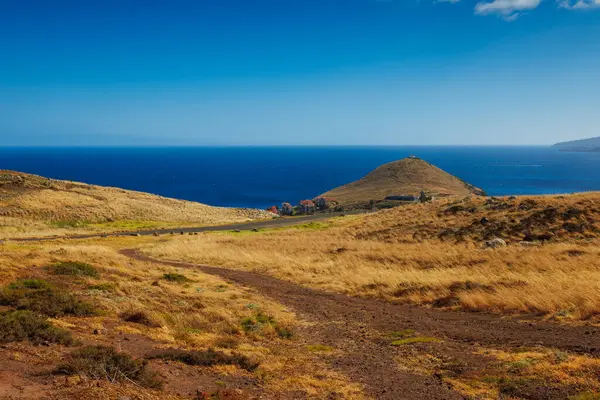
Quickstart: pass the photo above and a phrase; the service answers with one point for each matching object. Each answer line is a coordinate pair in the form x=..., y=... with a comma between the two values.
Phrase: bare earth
x=361, y=327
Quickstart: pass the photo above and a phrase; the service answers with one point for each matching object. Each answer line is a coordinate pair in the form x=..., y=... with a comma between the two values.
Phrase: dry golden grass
x=202, y=312
x=31, y=204
x=432, y=254
x=513, y=374
x=408, y=176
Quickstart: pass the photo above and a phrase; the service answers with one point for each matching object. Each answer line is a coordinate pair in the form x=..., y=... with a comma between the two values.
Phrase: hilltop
x=405, y=177
x=591, y=144
x=27, y=199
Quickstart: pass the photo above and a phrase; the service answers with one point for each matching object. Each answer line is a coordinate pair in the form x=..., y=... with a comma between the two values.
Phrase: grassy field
x=87, y=292
x=435, y=255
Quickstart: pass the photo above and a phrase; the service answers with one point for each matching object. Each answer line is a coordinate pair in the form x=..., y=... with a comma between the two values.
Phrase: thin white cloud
x=579, y=4
x=448, y=1
x=507, y=9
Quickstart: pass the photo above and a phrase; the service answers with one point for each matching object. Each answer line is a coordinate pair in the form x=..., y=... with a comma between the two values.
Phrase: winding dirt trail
x=360, y=328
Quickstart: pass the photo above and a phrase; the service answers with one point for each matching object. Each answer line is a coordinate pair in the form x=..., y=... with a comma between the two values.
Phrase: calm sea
x=264, y=176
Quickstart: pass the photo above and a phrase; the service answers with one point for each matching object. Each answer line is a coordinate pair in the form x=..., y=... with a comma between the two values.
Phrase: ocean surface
x=265, y=176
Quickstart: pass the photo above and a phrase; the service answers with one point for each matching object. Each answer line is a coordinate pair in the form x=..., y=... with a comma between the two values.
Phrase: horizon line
x=262, y=146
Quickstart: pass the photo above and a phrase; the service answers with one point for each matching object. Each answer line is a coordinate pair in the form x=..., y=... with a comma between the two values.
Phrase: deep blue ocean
x=264, y=176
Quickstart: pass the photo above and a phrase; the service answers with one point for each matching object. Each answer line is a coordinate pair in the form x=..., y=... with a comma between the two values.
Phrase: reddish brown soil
x=360, y=328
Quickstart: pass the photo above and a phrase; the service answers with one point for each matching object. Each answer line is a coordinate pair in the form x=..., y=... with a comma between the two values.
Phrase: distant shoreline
x=261, y=177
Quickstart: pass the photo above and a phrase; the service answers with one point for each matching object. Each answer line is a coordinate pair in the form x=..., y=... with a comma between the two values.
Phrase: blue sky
x=306, y=72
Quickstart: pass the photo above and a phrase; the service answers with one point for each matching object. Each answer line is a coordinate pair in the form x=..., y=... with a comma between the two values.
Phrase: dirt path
x=360, y=328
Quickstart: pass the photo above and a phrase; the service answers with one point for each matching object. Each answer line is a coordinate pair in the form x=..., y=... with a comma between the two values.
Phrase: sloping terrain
x=405, y=177
x=434, y=254
x=81, y=321
x=31, y=201
x=406, y=303
x=417, y=288
x=591, y=144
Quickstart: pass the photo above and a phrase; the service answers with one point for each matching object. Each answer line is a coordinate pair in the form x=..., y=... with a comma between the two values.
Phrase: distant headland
x=408, y=180
x=583, y=145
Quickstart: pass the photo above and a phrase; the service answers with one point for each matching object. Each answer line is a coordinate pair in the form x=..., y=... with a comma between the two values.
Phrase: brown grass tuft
x=103, y=362
x=207, y=358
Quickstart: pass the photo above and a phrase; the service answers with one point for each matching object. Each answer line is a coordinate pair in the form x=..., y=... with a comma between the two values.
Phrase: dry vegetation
x=113, y=327
x=80, y=320
x=434, y=255
x=535, y=373
x=404, y=177
x=32, y=205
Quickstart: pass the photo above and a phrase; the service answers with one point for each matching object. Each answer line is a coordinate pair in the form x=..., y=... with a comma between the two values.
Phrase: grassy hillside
x=82, y=319
x=435, y=255
x=408, y=176
x=31, y=202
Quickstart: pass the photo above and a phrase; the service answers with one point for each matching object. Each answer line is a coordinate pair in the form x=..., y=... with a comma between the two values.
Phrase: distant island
x=587, y=145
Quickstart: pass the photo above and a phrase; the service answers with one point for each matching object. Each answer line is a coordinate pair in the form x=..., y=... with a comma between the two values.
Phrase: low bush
x=103, y=287
x=257, y=322
x=104, y=362
x=284, y=332
x=207, y=358
x=260, y=321
x=140, y=317
x=177, y=278
x=74, y=268
x=32, y=283
x=26, y=325
x=40, y=297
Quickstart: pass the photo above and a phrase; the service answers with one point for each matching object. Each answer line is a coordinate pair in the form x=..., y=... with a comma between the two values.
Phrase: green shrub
x=207, y=358
x=176, y=278
x=29, y=284
x=42, y=298
x=74, y=268
x=103, y=287
x=260, y=321
x=284, y=332
x=257, y=322
x=26, y=325
x=103, y=362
